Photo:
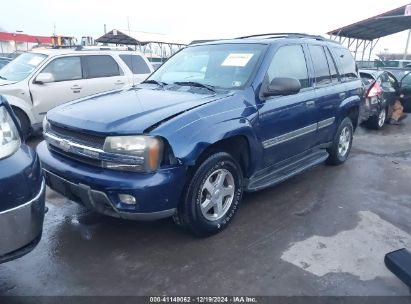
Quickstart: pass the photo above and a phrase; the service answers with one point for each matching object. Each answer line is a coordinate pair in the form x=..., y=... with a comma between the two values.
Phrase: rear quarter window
x=136, y=64
x=347, y=64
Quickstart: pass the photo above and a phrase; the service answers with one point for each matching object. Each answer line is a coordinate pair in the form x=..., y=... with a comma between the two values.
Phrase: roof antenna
x=132, y=65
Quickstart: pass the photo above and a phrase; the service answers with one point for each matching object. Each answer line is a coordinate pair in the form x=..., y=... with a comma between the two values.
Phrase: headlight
x=9, y=136
x=46, y=124
x=145, y=149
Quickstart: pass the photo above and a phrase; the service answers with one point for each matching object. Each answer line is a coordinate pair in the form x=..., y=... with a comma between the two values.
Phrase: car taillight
x=374, y=91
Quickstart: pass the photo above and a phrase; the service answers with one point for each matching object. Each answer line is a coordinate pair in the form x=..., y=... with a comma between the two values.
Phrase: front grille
x=83, y=159
x=85, y=139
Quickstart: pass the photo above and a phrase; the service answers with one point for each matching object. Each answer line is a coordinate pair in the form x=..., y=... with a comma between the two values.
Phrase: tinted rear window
x=136, y=64
x=96, y=66
x=347, y=63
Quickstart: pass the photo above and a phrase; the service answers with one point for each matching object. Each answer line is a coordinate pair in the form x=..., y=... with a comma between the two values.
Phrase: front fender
x=189, y=143
x=22, y=105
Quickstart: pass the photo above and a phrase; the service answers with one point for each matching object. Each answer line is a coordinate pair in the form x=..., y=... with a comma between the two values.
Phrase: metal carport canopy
x=138, y=38
x=388, y=23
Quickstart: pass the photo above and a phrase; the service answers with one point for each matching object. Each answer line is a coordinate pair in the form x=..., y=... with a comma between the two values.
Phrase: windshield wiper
x=159, y=83
x=4, y=78
x=196, y=84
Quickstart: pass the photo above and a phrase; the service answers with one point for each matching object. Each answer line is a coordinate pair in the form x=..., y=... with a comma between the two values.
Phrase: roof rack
x=102, y=48
x=278, y=35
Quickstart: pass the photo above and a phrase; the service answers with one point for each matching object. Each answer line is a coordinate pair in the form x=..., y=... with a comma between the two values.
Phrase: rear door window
x=347, y=64
x=289, y=62
x=65, y=68
x=97, y=66
x=136, y=64
x=321, y=69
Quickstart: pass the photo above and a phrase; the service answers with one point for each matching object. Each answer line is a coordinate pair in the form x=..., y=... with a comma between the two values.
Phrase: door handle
x=310, y=104
x=341, y=95
x=76, y=88
x=119, y=82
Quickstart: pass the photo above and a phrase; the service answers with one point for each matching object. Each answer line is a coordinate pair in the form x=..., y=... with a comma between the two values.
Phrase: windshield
x=227, y=66
x=21, y=67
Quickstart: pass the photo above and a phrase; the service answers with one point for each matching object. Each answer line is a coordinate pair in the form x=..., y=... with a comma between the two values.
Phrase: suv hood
x=128, y=111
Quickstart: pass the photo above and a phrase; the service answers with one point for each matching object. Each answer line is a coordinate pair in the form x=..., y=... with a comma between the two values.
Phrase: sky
x=195, y=19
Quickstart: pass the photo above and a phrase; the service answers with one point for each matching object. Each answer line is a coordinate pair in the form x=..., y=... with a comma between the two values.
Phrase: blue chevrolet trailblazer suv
x=215, y=120
x=22, y=190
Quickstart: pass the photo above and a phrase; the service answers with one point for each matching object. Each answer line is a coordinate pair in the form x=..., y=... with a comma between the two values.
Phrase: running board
x=280, y=174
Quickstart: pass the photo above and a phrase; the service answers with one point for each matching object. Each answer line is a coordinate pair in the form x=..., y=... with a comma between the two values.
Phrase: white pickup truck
x=40, y=80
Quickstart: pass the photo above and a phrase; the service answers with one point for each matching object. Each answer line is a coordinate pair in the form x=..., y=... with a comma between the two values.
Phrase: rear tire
x=376, y=122
x=24, y=122
x=212, y=197
x=341, y=146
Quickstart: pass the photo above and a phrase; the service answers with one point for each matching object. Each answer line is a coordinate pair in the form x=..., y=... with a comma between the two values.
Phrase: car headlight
x=146, y=150
x=46, y=124
x=9, y=136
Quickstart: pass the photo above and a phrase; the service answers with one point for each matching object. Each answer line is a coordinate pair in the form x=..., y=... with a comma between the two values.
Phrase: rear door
x=328, y=89
x=287, y=124
x=67, y=85
x=102, y=73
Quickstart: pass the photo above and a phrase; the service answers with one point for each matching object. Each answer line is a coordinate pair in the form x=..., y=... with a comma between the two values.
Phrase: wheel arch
x=18, y=103
x=237, y=138
x=351, y=108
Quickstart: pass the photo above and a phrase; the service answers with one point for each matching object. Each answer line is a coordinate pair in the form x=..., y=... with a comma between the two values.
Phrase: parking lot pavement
x=324, y=232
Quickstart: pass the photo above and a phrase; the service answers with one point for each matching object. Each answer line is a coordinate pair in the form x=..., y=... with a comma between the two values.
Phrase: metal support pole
x=371, y=48
x=363, y=51
x=357, y=45
x=406, y=47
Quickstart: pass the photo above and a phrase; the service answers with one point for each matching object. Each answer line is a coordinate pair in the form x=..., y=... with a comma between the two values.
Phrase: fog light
x=127, y=199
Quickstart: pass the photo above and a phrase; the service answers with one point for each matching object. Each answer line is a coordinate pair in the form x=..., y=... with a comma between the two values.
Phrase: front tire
x=341, y=146
x=213, y=195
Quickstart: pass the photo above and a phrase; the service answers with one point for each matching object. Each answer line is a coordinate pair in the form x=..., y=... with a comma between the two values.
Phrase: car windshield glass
x=21, y=67
x=226, y=66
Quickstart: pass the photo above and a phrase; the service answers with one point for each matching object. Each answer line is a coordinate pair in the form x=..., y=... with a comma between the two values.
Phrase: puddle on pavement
x=359, y=251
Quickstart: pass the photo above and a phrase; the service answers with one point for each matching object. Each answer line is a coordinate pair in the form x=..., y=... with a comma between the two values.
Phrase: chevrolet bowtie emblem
x=64, y=145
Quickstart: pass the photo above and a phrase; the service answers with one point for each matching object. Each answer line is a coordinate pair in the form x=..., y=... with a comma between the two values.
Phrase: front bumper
x=21, y=227
x=157, y=194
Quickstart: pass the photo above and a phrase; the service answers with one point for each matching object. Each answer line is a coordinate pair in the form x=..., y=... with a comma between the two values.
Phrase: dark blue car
x=215, y=120
x=22, y=190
